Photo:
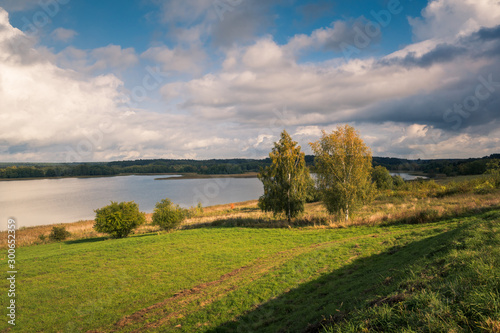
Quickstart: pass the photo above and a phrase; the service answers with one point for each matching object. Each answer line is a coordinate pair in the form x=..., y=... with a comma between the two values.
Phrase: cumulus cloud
x=19, y=5
x=413, y=87
x=423, y=101
x=178, y=59
x=451, y=18
x=52, y=114
x=226, y=22
x=63, y=35
x=337, y=37
x=111, y=57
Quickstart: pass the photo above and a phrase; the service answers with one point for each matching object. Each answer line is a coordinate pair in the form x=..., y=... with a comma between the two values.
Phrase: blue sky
x=107, y=80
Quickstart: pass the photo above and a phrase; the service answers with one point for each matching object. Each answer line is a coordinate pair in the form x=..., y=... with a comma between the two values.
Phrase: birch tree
x=343, y=164
x=285, y=180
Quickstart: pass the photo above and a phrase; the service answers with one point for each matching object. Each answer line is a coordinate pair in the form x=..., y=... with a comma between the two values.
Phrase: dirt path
x=177, y=306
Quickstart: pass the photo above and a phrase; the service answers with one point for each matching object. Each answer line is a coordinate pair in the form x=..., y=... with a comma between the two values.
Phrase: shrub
x=118, y=219
x=194, y=211
x=398, y=181
x=167, y=215
x=57, y=234
x=484, y=188
x=382, y=178
x=494, y=173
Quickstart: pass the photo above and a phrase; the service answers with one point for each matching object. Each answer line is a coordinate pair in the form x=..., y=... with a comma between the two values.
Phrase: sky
x=88, y=80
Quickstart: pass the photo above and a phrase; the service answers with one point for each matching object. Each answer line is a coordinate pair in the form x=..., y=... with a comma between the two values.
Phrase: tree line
x=448, y=167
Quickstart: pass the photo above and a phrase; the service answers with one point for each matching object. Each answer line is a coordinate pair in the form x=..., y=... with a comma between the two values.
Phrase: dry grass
x=247, y=214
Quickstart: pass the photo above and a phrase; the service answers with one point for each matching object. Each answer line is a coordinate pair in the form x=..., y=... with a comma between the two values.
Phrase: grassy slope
x=265, y=280
x=452, y=285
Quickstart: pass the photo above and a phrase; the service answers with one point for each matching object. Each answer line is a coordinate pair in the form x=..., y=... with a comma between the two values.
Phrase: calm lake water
x=407, y=176
x=48, y=201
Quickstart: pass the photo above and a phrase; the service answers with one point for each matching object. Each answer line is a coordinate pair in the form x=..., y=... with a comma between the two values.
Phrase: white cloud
x=336, y=37
x=100, y=60
x=113, y=56
x=63, y=35
x=178, y=59
x=451, y=18
x=54, y=104
x=186, y=10
x=19, y=5
x=263, y=77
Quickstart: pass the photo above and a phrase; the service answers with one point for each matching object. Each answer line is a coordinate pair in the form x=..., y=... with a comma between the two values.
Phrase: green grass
x=265, y=280
x=451, y=285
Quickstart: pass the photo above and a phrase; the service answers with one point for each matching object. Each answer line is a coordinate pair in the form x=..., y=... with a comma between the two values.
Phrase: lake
x=49, y=201
x=407, y=176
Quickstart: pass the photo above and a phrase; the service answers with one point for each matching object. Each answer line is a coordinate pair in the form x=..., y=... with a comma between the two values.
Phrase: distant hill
x=449, y=167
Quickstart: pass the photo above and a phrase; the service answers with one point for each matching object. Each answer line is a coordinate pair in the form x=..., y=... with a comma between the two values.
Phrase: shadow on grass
x=245, y=222
x=330, y=298
x=148, y=234
x=86, y=240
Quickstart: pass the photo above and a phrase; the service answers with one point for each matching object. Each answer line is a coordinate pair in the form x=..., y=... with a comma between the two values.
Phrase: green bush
x=382, y=178
x=167, y=215
x=57, y=234
x=484, y=188
x=398, y=181
x=494, y=173
x=118, y=219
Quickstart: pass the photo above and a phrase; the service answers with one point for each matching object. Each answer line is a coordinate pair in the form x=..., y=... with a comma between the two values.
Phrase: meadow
x=422, y=259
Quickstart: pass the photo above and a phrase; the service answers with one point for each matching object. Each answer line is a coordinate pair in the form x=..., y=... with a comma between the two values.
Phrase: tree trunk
x=288, y=193
x=347, y=213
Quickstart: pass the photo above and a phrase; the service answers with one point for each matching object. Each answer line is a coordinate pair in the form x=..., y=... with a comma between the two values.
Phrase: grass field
x=405, y=264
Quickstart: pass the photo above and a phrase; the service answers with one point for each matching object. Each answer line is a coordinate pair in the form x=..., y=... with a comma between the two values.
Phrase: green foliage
x=493, y=170
x=167, y=215
x=398, y=181
x=479, y=186
x=285, y=180
x=57, y=234
x=343, y=164
x=118, y=219
x=484, y=188
x=194, y=211
x=312, y=192
x=382, y=178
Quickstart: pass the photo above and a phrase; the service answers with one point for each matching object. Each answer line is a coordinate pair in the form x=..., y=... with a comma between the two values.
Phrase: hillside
x=398, y=265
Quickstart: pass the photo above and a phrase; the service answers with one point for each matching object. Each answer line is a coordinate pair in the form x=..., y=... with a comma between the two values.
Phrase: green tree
x=167, y=215
x=118, y=219
x=382, y=178
x=285, y=180
x=343, y=165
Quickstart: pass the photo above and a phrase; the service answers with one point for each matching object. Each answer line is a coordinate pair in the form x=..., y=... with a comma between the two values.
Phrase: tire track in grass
x=177, y=306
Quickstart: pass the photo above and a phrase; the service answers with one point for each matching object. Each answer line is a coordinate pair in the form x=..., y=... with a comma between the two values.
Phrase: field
x=406, y=263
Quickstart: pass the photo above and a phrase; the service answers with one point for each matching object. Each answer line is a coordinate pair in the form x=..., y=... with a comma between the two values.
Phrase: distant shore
x=204, y=176
x=180, y=176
